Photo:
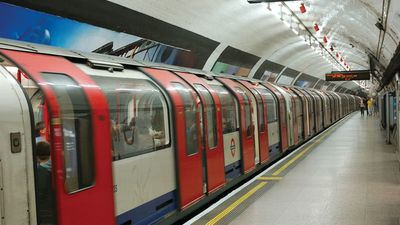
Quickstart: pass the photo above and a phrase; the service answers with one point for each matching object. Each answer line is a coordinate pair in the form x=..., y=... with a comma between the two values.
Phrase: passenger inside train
x=46, y=197
x=40, y=130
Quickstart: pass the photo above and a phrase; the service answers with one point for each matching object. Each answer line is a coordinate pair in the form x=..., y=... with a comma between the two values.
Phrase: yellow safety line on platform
x=236, y=204
x=286, y=165
x=270, y=178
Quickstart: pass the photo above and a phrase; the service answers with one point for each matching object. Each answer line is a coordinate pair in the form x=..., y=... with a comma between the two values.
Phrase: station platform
x=346, y=175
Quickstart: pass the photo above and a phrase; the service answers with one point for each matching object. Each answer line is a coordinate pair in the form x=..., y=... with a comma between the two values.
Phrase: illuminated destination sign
x=348, y=75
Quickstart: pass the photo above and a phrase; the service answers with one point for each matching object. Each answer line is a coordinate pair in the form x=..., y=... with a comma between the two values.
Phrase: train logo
x=233, y=148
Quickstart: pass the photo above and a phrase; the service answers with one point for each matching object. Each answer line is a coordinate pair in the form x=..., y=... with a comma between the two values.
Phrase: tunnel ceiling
x=349, y=27
x=354, y=29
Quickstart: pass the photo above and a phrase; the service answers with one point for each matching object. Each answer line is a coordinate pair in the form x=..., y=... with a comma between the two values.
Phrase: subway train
x=139, y=143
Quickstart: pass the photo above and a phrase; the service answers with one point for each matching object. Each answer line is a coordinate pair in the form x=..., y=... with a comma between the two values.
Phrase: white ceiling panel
x=349, y=26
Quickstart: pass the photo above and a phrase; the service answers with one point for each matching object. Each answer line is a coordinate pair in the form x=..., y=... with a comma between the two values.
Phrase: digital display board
x=348, y=75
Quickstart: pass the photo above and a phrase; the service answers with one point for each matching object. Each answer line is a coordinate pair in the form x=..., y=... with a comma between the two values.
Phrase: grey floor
x=352, y=177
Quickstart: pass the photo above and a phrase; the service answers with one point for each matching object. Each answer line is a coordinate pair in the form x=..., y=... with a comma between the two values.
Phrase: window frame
x=198, y=115
x=117, y=96
x=78, y=143
x=213, y=113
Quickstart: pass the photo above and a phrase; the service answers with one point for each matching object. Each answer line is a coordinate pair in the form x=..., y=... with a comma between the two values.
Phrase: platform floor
x=347, y=176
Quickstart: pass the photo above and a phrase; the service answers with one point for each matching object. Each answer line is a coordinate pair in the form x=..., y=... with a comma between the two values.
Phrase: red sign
x=302, y=8
x=347, y=76
x=316, y=27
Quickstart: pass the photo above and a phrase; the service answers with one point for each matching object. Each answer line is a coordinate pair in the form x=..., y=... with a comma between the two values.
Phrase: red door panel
x=247, y=141
x=295, y=122
x=189, y=167
x=262, y=136
x=214, y=155
x=282, y=115
x=94, y=204
x=304, y=110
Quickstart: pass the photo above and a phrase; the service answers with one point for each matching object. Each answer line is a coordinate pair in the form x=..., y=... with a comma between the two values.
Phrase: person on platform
x=362, y=107
x=365, y=101
x=370, y=107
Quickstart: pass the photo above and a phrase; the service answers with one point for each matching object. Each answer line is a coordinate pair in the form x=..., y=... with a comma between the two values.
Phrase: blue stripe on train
x=233, y=170
x=150, y=212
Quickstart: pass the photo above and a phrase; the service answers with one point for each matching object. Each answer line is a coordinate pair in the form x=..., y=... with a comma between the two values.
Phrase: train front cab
x=79, y=185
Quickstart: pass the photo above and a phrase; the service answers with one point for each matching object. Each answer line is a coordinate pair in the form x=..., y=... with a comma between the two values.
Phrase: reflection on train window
x=37, y=102
x=191, y=118
x=247, y=115
x=138, y=114
x=229, y=108
x=272, y=109
x=210, y=112
x=76, y=124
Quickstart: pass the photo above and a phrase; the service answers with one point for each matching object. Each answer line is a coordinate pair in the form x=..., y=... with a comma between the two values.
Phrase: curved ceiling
x=355, y=30
x=262, y=30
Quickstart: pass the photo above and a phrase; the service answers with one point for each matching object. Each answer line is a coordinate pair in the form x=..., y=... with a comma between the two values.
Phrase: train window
x=37, y=102
x=210, y=112
x=228, y=108
x=260, y=108
x=272, y=108
x=191, y=118
x=138, y=116
x=247, y=111
x=76, y=124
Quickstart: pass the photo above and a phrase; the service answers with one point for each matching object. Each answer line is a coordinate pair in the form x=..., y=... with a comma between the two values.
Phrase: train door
x=322, y=107
x=298, y=116
x=254, y=118
x=272, y=122
x=328, y=118
x=318, y=111
x=212, y=129
x=230, y=130
x=305, y=111
x=246, y=126
x=81, y=169
x=290, y=117
x=187, y=118
x=262, y=123
x=282, y=116
x=311, y=111
x=339, y=105
x=325, y=108
x=331, y=106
